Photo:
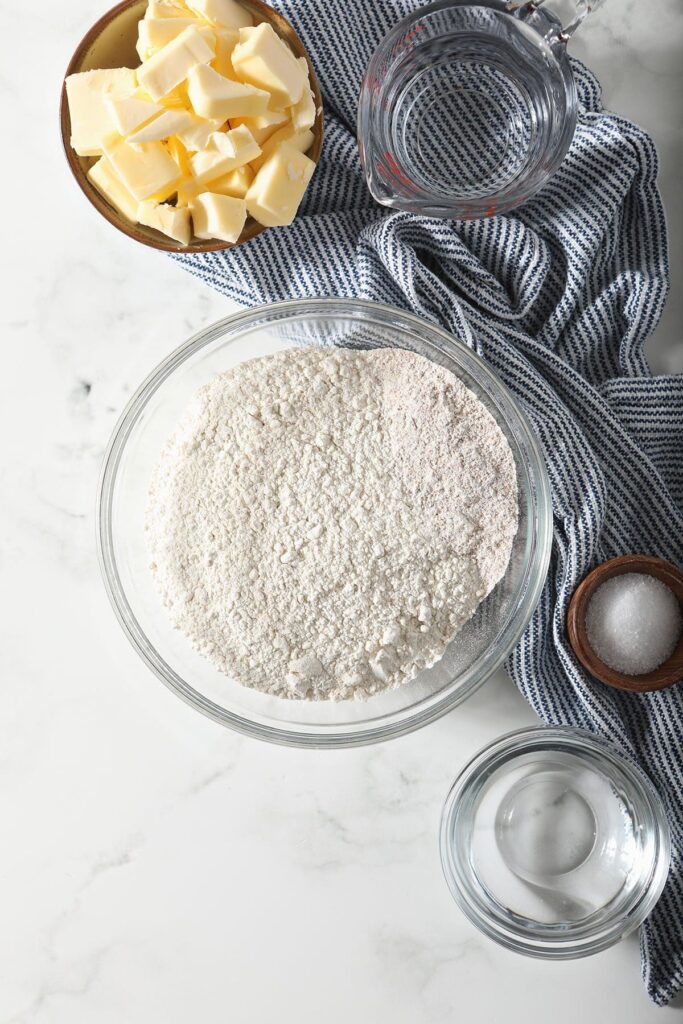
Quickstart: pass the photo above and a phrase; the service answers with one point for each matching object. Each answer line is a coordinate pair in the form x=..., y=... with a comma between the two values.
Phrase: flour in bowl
x=323, y=522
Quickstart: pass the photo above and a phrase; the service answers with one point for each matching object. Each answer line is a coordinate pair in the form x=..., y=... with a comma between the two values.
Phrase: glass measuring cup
x=467, y=109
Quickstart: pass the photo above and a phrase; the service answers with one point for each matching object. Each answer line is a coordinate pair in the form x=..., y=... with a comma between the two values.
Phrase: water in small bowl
x=553, y=843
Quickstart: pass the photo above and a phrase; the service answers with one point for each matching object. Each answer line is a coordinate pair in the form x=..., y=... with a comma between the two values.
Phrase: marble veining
x=154, y=867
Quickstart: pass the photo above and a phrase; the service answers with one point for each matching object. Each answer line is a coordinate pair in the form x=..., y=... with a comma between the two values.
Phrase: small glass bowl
x=151, y=417
x=553, y=844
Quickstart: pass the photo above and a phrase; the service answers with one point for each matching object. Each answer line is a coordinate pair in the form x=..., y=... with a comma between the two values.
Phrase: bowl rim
x=132, y=231
x=395, y=723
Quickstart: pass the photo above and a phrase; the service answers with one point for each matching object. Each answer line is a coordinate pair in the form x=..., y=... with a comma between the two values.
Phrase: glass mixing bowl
x=150, y=418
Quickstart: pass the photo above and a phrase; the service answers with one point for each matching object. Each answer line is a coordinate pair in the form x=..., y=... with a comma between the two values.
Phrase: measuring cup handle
x=583, y=9
x=564, y=34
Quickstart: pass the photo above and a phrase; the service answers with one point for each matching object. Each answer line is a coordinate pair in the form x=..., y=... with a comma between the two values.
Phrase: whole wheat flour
x=324, y=521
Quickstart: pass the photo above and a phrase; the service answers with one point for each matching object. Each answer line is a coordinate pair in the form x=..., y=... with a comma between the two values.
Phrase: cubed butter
x=223, y=13
x=269, y=119
x=179, y=153
x=263, y=60
x=245, y=33
x=166, y=9
x=112, y=188
x=173, y=221
x=263, y=125
x=299, y=140
x=87, y=93
x=177, y=98
x=225, y=152
x=171, y=65
x=130, y=112
x=303, y=113
x=142, y=47
x=148, y=171
x=154, y=33
x=187, y=190
x=218, y=216
x=226, y=41
x=277, y=190
x=213, y=96
x=170, y=122
x=196, y=136
x=161, y=132
x=236, y=183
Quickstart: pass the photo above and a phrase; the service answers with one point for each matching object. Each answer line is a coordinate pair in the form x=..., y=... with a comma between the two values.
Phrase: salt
x=633, y=623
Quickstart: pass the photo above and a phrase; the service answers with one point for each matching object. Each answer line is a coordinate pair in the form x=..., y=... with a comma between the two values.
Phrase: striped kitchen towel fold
x=559, y=298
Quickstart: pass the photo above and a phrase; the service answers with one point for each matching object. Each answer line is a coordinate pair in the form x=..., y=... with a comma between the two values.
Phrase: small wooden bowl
x=110, y=43
x=668, y=673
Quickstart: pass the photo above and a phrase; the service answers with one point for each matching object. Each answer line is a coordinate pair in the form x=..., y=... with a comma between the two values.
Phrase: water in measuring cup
x=472, y=104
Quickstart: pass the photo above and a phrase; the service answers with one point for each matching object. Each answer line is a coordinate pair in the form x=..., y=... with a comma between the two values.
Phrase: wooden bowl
x=110, y=43
x=670, y=671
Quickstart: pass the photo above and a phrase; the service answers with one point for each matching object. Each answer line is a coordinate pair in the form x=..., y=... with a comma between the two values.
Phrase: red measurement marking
x=405, y=42
x=396, y=170
x=413, y=32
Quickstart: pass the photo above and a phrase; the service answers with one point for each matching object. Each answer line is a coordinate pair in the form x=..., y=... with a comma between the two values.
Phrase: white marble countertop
x=155, y=868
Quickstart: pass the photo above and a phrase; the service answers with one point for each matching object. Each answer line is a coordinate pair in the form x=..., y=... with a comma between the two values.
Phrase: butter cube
x=303, y=113
x=144, y=50
x=154, y=33
x=278, y=188
x=263, y=125
x=239, y=141
x=236, y=183
x=225, y=152
x=196, y=136
x=213, y=96
x=218, y=216
x=177, y=98
x=299, y=140
x=169, y=123
x=87, y=93
x=262, y=59
x=268, y=119
x=171, y=65
x=226, y=41
x=188, y=190
x=130, y=112
x=180, y=155
x=166, y=9
x=224, y=13
x=112, y=188
x=148, y=171
x=170, y=220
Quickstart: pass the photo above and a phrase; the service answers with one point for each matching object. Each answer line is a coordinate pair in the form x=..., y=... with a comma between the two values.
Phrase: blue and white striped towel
x=559, y=298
